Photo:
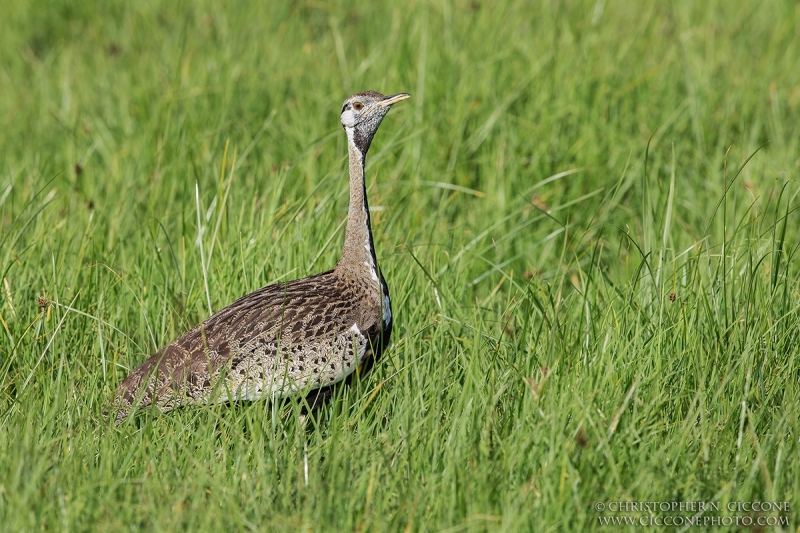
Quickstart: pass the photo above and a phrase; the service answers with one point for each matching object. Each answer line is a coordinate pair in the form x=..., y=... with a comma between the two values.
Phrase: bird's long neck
x=358, y=254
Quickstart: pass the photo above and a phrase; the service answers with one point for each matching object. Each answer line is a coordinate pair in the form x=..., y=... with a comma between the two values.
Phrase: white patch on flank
x=387, y=309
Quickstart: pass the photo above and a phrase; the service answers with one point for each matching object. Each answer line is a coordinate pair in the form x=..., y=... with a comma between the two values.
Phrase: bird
x=288, y=338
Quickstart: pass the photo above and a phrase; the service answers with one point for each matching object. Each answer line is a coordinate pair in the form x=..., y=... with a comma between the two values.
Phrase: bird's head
x=362, y=113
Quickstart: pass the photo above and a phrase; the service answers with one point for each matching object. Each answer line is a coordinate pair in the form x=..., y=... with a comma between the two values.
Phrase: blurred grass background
x=596, y=299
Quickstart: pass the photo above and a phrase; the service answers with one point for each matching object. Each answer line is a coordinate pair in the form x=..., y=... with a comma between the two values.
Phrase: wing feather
x=305, y=333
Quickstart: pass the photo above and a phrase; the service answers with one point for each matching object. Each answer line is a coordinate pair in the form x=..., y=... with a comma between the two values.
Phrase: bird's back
x=284, y=338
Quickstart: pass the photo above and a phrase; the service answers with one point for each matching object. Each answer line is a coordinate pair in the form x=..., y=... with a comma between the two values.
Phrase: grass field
x=587, y=215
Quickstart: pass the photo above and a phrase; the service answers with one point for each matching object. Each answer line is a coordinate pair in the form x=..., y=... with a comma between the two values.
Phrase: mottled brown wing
x=186, y=371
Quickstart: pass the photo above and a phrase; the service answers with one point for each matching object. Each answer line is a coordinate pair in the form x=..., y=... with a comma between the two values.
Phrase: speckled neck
x=358, y=254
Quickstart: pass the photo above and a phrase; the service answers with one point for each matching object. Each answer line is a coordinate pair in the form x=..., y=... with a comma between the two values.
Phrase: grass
x=587, y=215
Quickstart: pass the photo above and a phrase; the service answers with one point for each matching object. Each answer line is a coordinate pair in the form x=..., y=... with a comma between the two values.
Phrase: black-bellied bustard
x=286, y=338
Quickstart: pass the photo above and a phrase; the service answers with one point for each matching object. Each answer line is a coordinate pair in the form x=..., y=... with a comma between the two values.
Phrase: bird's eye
x=358, y=106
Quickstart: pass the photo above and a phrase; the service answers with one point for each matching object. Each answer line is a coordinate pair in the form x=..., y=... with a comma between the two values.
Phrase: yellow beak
x=389, y=100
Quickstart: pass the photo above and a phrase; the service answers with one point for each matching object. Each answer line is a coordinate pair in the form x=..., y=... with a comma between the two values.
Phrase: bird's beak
x=390, y=100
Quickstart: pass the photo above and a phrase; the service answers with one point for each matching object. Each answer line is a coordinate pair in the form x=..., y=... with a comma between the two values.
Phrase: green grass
x=595, y=290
